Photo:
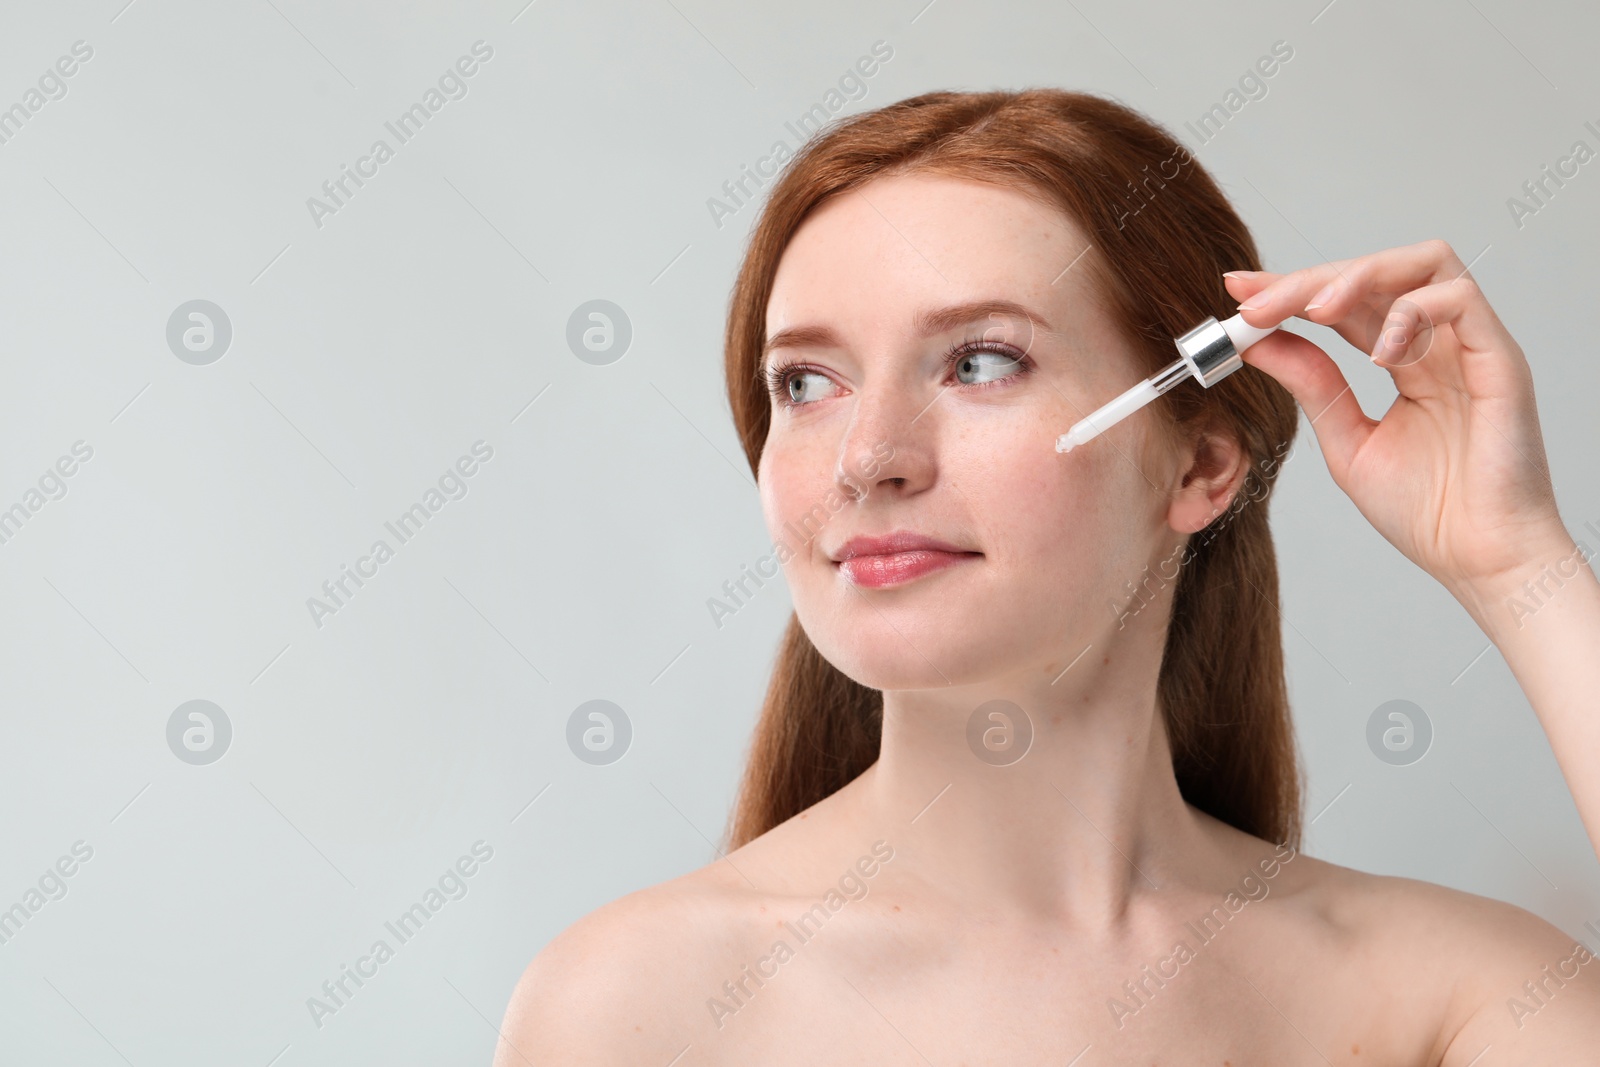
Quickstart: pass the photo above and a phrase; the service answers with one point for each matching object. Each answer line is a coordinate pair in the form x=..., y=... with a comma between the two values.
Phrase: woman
x=1025, y=789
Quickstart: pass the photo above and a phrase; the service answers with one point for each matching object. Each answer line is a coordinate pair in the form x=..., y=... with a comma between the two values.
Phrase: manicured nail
x=1240, y=273
x=1257, y=301
x=1323, y=296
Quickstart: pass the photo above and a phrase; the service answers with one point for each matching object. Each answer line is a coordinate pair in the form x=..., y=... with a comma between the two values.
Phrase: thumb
x=1323, y=393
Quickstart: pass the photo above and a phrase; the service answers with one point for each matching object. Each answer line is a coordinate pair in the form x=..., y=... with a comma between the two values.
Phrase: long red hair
x=1161, y=234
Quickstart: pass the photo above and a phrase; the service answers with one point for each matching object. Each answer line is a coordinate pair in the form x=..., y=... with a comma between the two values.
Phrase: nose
x=889, y=443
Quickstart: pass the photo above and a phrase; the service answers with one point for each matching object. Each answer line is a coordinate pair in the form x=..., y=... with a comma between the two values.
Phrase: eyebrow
x=927, y=324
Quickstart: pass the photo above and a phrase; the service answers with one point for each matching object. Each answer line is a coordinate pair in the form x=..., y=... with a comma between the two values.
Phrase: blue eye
x=783, y=378
x=996, y=360
x=798, y=378
x=990, y=361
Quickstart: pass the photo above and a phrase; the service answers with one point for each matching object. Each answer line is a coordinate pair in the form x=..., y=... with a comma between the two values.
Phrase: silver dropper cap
x=1209, y=352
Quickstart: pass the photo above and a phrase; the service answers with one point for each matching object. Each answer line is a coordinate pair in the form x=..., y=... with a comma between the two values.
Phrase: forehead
x=882, y=252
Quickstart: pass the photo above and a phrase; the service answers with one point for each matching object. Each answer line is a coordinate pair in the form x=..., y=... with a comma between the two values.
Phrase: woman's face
x=960, y=452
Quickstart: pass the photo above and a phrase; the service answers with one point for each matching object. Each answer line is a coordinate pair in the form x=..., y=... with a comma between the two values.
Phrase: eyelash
x=778, y=375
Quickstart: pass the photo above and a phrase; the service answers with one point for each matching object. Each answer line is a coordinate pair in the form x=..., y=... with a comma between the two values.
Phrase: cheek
x=794, y=486
x=1040, y=512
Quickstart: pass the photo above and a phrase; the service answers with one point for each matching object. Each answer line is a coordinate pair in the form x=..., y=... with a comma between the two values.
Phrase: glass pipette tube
x=1209, y=352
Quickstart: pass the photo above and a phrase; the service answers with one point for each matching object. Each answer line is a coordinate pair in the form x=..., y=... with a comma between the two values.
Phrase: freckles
x=1041, y=485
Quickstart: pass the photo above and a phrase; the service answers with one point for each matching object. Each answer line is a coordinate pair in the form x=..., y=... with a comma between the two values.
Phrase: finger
x=1357, y=321
x=1323, y=393
x=1245, y=282
x=1359, y=324
x=1339, y=286
x=1459, y=302
x=1485, y=364
x=1357, y=297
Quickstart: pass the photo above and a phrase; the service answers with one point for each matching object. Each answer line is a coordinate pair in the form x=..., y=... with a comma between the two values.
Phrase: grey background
x=370, y=353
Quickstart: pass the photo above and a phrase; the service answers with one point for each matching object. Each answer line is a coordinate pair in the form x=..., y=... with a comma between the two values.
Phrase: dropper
x=1209, y=352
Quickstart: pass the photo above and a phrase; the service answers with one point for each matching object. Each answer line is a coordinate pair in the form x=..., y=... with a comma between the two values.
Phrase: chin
x=874, y=655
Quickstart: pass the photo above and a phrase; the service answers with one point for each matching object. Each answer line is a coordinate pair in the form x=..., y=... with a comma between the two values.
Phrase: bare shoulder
x=1518, y=984
x=646, y=976
x=1477, y=972
x=614, y=987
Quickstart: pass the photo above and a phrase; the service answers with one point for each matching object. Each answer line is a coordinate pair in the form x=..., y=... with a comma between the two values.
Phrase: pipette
x=1209, y=352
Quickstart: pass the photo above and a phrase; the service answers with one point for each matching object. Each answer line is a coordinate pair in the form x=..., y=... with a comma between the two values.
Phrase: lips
x=897, y=558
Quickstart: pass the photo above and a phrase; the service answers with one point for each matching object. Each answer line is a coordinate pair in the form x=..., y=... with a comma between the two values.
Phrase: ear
x=1214, y=466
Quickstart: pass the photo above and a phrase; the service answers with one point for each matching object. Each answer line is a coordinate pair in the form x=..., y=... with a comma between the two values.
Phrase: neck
x=1086, y=818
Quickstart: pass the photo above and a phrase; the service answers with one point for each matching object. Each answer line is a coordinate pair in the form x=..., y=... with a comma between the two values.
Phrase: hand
x=1454, y=475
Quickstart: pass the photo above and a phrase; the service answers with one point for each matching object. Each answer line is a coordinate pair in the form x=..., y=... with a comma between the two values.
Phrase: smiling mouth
x=899, y=568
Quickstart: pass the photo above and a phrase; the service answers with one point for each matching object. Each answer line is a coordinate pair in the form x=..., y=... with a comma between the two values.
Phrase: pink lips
x=895, y=559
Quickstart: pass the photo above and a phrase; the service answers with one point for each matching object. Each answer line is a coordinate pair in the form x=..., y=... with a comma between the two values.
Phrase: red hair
x=1161, y=235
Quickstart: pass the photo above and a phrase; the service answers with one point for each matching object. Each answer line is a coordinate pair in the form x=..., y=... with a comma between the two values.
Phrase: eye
x=977, y=364
x=793, y=384
x=989, y=361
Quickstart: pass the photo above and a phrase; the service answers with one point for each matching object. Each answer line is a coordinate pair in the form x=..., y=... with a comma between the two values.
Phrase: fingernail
x=1389, y=341
x=1240, y=273
x=1257, y=301
x=1323, y=296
